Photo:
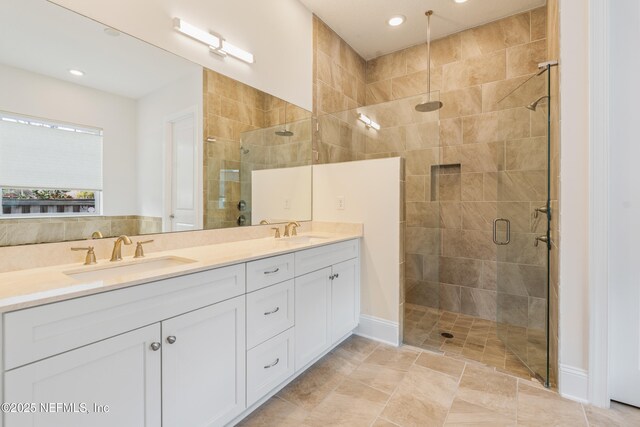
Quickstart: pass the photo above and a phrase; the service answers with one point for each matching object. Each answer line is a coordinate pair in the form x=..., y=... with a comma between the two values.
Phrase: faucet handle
x=91, y=255
x=140, y=249
x=277, y=231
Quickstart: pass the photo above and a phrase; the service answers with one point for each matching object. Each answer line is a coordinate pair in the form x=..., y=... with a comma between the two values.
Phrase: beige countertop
x=32, y=287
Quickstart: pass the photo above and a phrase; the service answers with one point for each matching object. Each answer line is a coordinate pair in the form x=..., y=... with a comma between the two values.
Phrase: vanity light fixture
x=396, y=20
x=368, y=122
x=76, y=73
x=216, y=44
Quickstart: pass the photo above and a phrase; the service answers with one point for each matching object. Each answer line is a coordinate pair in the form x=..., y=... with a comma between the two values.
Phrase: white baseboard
x=382, y=330
x=573, y=383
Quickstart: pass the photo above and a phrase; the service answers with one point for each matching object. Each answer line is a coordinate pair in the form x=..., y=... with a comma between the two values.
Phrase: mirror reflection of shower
x=426, y=107
x=535, y=103
x=284, y=131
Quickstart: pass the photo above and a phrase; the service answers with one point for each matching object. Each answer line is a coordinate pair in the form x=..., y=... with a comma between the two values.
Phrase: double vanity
x=197, y=336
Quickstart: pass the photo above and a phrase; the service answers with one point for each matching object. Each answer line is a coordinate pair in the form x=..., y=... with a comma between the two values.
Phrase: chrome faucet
x=291, y=229
x=116, y=255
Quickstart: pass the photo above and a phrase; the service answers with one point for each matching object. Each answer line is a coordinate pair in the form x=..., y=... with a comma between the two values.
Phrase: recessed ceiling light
x=394, y=21
x=77, y=73
x=460, y=1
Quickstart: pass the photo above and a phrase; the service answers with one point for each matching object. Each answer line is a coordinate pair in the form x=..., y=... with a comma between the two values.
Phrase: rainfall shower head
x=535, y=103
x=284, y=131
x=427, y=107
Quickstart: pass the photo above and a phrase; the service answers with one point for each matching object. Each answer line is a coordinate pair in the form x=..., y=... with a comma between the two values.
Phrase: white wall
x=574, y=197
x=624, y=203
x=371, y=189
x=36, y=95
x=153, y=110
x=279, y=195
x=278, y=33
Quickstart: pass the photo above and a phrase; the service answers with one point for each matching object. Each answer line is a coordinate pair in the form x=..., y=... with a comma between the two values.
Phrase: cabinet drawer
x=269, y=312
x=269, y=271
x=35, y=333
x=314, y=259
x=268, y=365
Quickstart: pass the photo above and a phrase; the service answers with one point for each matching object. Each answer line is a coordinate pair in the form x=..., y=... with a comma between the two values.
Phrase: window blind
x=44, y=157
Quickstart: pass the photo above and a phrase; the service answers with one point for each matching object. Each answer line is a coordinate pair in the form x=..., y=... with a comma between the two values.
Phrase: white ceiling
x=363, y=23
x=47, y=39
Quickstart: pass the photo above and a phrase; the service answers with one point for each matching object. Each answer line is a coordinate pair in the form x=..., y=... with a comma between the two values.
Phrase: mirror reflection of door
x=181, y=211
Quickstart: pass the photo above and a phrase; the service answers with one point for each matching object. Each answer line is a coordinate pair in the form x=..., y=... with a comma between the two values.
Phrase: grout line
x=456, y=393
x=584, y=413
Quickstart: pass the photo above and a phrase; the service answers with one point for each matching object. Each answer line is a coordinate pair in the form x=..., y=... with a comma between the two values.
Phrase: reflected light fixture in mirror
x=368, y=122
x=216, y=44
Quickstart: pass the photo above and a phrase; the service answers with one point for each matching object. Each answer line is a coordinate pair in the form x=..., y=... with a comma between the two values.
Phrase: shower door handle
x=495, y=231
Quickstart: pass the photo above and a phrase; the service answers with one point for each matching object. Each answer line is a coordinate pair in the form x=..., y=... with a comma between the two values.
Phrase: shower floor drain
x=447, y=335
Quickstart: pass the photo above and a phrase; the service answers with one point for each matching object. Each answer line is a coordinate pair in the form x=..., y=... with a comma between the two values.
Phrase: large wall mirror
x=102, y=134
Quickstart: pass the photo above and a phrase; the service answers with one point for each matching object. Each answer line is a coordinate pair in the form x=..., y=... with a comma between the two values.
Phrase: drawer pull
x=272, y=271
x=266, y=313
x=271, y=365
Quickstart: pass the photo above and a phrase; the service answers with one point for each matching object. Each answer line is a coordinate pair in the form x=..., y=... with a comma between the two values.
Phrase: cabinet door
x=345, y=299
x=312, y=315
x=203, y=369
x=122, y=374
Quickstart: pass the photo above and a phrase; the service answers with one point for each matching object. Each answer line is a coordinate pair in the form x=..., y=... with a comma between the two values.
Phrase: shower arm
x=429, y=13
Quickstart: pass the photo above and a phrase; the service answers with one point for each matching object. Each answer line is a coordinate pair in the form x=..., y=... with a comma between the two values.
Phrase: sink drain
x=447, y=335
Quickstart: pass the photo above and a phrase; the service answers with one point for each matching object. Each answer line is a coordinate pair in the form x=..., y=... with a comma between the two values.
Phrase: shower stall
x=478, y=208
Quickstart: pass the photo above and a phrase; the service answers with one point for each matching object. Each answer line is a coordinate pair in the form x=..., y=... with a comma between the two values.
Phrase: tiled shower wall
x=231, y=109
x=451, y=260
x=501, y=150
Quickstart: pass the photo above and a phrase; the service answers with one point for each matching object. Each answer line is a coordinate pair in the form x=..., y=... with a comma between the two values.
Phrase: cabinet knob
x=171, y=339
x=155, y=346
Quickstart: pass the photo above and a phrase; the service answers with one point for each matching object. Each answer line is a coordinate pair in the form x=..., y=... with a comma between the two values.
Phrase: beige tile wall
x=338, y=85
x=22, y=231
x=235, y=112
x=482, y=77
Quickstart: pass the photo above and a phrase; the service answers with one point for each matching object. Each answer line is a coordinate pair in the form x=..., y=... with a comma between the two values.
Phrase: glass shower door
x=522, y=227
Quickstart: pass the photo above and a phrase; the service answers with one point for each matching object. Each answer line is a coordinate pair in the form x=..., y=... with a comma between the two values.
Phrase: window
x=49, y=168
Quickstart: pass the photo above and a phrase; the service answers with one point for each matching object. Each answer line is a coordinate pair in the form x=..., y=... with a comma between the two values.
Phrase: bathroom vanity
x=201, y=342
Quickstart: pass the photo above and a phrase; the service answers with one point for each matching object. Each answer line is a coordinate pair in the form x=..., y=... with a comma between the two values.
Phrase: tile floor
x=475, y=339
x=363, y=383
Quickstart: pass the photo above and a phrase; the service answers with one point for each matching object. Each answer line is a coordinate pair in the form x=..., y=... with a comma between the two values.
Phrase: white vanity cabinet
x=203, y=365
x=327, y=300
x=122, y=372
x=201, y=349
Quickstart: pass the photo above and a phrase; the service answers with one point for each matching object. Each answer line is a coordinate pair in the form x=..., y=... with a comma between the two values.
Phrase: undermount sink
x=306, y=238
x=117, y=270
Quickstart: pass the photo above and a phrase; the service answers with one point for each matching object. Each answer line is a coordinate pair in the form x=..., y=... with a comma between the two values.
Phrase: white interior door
x=184, y=176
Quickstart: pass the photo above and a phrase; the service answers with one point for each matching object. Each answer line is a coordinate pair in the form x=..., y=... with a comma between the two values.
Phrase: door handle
x=495, y=231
